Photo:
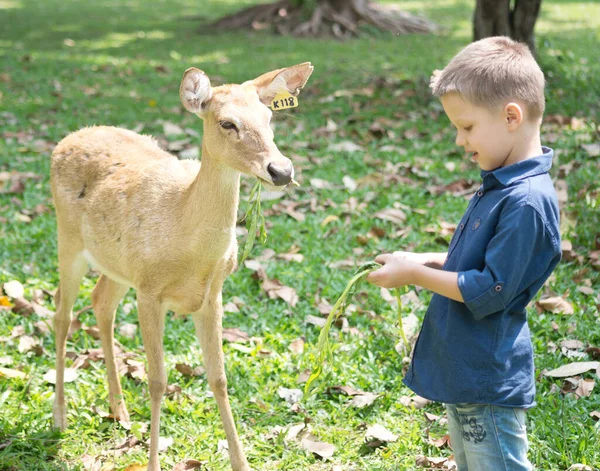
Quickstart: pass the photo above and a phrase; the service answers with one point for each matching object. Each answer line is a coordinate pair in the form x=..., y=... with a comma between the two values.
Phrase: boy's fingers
x=373, y=276
x=383, y=258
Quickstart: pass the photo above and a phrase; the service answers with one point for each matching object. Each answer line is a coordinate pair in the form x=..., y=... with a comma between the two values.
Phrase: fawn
x=165, y=227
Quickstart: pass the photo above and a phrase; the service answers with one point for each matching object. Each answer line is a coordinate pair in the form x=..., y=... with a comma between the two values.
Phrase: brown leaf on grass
x=230, y=307
x=136, y=369
x=460, y=187
x=91, y=463
x=415, y=401
x=562, y=191
x=28, y=343
x=394, y=215
x=580, y=467
x=567, y=250
x=320, y=184
x=347, y=390
x=574, y=368
x=593, y=150
x=23, y=307
x=235, y=335
x=556, y=305
x=14, y=289
x=10, y=373
x=70, y=376
x=187, y=370
x=314, y=320
x=363, y=400
x=440, y=442
x=297, y=346
x=585, y=387
x=434, y=463
x=321, y=449
x=187, y=464
x=380, y=433
x=128, y=330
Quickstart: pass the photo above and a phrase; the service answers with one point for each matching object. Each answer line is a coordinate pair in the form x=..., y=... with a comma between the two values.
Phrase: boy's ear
x=291, y=79
x=195, y=90
x=513, y=115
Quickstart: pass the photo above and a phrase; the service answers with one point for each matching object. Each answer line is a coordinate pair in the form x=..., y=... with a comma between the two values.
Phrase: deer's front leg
x=152, y=322
x=208, y=329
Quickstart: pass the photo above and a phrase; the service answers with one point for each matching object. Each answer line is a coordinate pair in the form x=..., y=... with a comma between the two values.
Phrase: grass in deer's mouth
x=254, y=220
x=323, y=346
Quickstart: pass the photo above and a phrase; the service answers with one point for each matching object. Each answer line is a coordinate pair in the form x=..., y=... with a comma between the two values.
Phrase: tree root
x=341, y=19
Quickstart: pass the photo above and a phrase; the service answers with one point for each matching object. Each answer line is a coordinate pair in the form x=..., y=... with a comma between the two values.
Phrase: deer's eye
x=228, y=125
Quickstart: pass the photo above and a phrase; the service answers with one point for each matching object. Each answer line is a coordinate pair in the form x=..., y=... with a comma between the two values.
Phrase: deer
x=166, y=227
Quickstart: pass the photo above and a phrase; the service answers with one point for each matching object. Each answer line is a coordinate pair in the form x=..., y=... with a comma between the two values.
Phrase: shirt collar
x=505, y=176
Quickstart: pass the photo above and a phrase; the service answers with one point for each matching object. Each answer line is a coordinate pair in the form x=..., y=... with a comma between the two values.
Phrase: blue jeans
x=488, y=438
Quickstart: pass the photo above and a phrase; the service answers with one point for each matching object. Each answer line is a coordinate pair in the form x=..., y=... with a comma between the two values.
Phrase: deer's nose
x=280, y=175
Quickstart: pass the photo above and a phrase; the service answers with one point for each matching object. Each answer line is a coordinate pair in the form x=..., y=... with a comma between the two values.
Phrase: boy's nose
x=460, y=141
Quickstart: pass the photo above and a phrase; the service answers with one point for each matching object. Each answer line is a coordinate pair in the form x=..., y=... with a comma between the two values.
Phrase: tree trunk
x=495, y=18
x=339, y=18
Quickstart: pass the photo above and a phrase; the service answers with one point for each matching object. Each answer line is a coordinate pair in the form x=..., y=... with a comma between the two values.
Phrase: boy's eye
x=468, y=128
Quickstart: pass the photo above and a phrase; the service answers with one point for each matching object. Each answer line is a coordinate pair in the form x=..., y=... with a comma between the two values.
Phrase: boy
x=474, y=350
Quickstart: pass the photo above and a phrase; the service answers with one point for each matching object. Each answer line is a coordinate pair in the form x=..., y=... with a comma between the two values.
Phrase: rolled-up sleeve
x=521, y=250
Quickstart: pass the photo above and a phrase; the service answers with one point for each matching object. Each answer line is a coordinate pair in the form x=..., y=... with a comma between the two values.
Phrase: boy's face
x=484, y=134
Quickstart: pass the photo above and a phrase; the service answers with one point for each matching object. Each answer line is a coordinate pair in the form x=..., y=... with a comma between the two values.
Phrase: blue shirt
x=504, y=249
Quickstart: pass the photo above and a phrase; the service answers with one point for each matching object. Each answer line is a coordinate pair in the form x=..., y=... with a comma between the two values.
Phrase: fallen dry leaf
x=14, y=289
x=235, y=335
x=10, y=373
x=128, y=330
x=415, y=401
x=394, y=215
x=593, y=150
x=297, y=346
x=70, y=376
x=292, y=396
x=187, y=465
x=379, y=432
x=364, y=400
x=322, y=449
x=572, y=369
x=440, y=442
x=585, y=387
x=556, y=305
x=187, y=370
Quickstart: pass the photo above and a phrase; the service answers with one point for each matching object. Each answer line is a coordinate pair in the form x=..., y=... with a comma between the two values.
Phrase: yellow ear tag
x=284, y=100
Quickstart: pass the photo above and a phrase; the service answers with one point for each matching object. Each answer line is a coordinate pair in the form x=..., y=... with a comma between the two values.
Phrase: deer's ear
x=291, y=79
x=195, y=90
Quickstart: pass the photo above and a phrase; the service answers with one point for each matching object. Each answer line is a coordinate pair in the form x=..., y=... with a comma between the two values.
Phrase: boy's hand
x=398, y=270
x=420, y=258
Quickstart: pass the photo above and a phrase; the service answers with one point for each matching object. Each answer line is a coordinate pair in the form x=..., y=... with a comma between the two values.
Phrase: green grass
x=69, y=64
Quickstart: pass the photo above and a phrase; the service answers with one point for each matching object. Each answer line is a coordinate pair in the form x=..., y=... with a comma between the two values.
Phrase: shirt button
x=462, y=226
x=480, y=193
x=498, y=288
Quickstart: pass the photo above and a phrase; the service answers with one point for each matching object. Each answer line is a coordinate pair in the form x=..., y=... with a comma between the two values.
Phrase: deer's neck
x=213, y=197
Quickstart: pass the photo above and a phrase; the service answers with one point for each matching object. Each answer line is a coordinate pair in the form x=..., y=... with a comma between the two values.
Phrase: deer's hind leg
x=72, y=267
x=106, y=297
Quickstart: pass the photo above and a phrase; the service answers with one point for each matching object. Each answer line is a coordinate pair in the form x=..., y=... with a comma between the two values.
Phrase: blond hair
x=490, y=72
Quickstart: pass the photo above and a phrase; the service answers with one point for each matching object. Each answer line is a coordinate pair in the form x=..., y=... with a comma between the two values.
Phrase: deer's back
x=115, y=193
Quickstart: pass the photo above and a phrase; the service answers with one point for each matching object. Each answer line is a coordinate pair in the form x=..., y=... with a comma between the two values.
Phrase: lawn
x=366, y=137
